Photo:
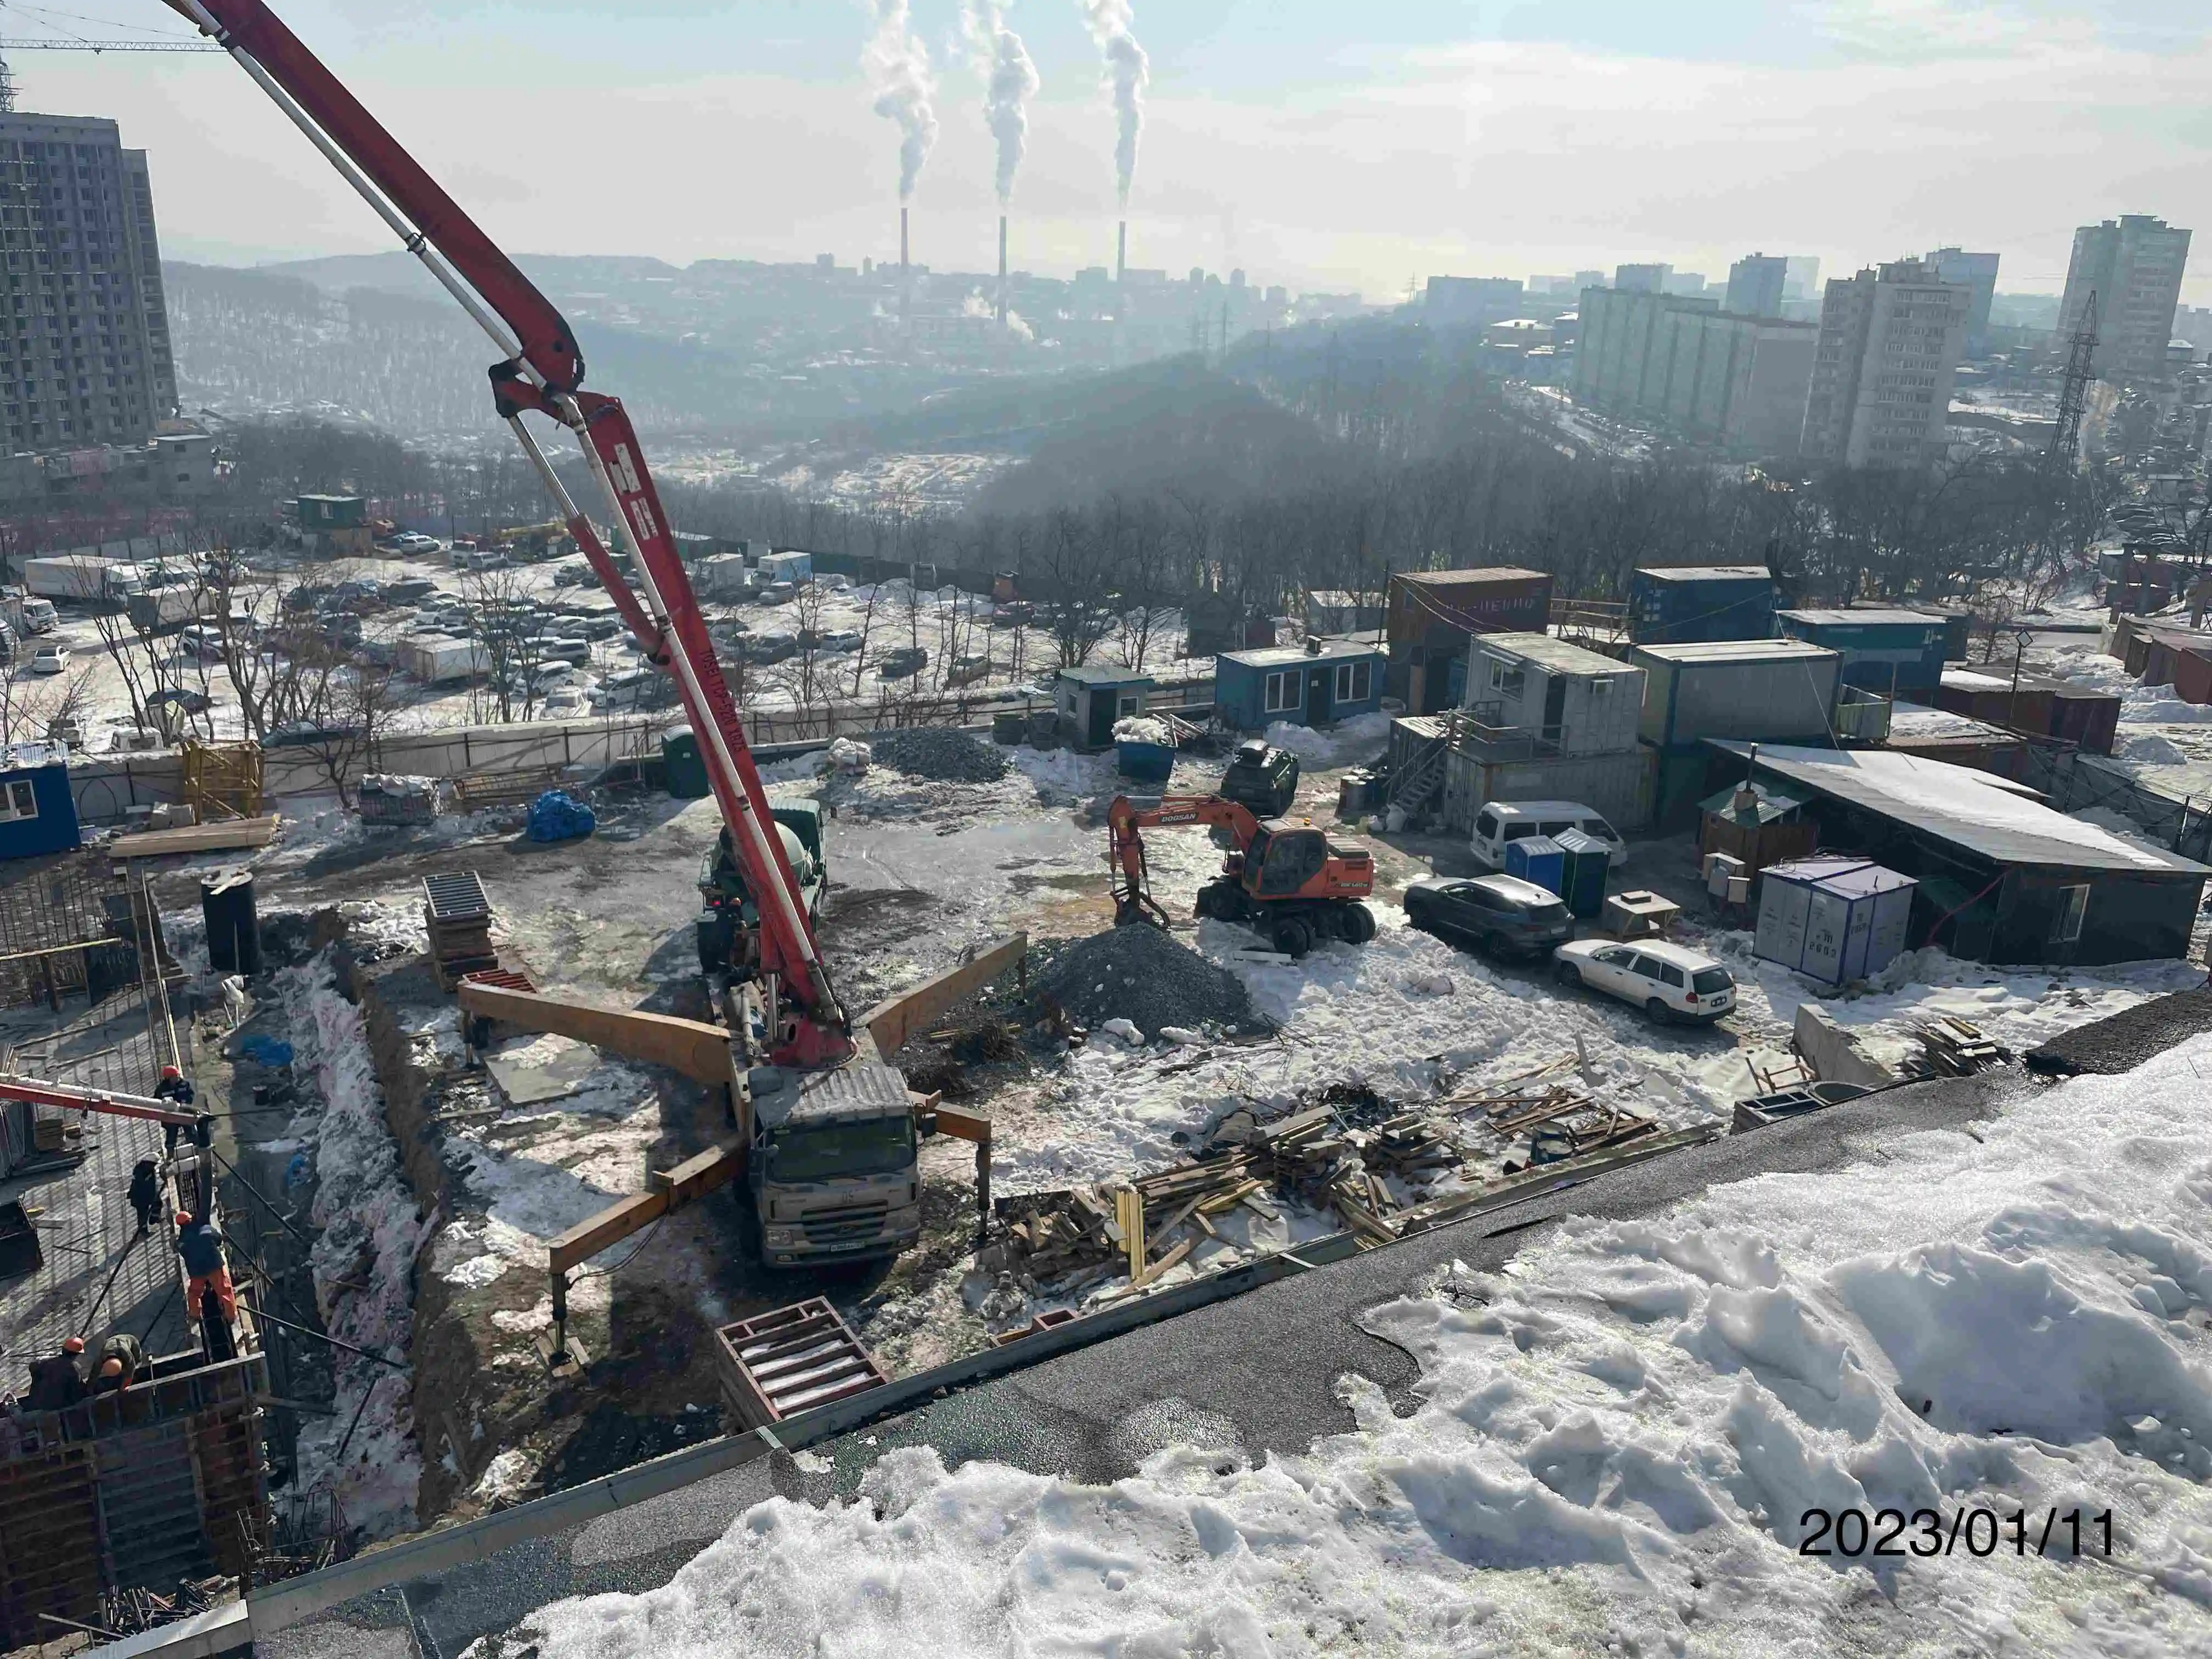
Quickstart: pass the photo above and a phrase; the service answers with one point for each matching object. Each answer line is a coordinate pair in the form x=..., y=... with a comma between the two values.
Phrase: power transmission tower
x=2073, y=395
x=7, y=89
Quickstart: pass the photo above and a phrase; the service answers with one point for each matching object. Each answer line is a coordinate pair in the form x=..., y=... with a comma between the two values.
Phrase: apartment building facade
x=2133, y=264
x=1890, y=341
x=1732, y=382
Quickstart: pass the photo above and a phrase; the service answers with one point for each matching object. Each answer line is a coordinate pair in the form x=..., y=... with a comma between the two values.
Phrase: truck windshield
x=828, y=1152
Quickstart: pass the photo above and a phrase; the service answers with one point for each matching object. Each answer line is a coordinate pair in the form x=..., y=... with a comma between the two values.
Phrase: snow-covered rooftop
x=1974, y=809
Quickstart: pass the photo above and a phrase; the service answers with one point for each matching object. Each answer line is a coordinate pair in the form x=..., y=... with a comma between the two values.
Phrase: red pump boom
x=542, y=371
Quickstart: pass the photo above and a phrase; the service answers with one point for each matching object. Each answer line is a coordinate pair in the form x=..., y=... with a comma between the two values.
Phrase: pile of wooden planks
x=1045, y=1236
x=1951, y=1047
x=1411, y=1146
x=1308, y=1154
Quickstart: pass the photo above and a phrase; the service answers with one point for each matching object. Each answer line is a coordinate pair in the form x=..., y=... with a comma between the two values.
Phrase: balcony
x=1477, y=730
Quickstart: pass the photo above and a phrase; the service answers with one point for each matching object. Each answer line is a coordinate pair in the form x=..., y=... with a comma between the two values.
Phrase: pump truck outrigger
x=794, y=1060
x=1286, y=879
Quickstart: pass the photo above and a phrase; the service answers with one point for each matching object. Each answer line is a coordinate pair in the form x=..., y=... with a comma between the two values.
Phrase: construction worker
x=177, y=1088
x=201, y=1246
x=146, y=1193
x=57, y=1383
x=122, y=1361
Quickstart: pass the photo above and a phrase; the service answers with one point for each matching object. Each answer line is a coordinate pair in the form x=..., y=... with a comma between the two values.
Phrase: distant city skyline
x=1478, y=139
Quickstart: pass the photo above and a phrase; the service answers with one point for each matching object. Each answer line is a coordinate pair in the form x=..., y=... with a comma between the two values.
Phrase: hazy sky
x=1312, y=141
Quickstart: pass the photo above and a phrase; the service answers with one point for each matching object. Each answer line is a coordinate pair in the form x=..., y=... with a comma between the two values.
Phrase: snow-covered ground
x=2162, y=740
x=1625, y=1443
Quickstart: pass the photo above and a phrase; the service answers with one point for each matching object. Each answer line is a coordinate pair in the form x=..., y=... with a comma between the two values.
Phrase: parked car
x=600, y=625
x=776, y=593
x=765, y=648
x=1668, y=981
x=186, y=698
x=557, y=647
x=551, y=674
x=569, y=700
x=51, y=658
x=409, y=590
x=200, y=640
x=574, y=574
x=1503, y=821
x=968, y=670
x=478, y=559
x=1503, y=915
x=412, y=541
x=836, y=641
x=907, y=660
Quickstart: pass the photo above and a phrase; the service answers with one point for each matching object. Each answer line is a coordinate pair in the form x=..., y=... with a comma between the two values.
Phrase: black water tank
x=233, y=928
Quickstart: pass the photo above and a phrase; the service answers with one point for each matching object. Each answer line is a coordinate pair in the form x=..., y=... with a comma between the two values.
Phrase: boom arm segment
x=1125, y=823
x=543, y=371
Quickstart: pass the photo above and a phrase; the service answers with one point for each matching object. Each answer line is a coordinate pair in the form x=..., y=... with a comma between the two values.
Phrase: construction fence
x=106, y=788
x=2074, y=781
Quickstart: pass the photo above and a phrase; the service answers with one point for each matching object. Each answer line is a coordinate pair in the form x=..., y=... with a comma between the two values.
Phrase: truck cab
x=831, y=1163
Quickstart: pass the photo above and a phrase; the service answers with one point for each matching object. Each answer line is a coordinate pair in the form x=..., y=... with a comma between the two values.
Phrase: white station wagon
x=1668, y=981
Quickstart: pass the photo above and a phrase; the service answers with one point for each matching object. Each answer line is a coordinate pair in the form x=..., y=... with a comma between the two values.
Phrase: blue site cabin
x=1899, y=654
x=1316, y=684
x=1684, y=604
x=1090, y=699
x=38, y=814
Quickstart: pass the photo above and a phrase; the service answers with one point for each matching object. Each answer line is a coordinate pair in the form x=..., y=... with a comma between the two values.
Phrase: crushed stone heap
x=1142, y=974
x=937, y=754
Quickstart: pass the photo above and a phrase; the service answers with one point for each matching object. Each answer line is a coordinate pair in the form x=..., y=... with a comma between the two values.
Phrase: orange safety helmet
x=184, y=1218
x=168, y=1072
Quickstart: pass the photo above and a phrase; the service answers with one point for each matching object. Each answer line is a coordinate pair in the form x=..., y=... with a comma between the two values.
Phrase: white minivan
x=1501, y=821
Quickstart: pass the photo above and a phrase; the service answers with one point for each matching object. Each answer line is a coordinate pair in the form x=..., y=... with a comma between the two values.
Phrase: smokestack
x=1121, y=253
x=905, y=287
x=1002, y=271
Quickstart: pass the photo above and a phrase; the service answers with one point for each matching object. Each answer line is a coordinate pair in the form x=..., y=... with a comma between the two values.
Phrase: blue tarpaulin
x=266, y=1050
x=558, y=816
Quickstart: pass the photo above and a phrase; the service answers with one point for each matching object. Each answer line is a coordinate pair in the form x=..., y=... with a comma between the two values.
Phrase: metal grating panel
x=456, y=895
x=149, y=1498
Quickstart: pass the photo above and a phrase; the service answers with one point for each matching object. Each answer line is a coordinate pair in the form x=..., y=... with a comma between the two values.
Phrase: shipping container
x=1549, y=696
x=1896, y=653
x=1430, y=614
x=1694, y=603
x=157, y=610
x=1834, y=919
x=1318, y=684
x=1618, y=786
x=1763, y=690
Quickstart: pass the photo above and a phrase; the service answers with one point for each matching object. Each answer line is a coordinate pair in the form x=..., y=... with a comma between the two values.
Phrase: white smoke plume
x=1127, y=69
x=1001, y=56
x=898, y=66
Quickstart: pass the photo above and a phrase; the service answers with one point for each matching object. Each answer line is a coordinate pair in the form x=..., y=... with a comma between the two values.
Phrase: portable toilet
x=1834, y=919
x=686, y=766
x=1585, y=859
x=1539, y=858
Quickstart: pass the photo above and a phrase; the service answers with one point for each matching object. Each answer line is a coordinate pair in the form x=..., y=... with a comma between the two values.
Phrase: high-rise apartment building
x=84, y=334
x=1890, y=344
x=1978, y=274
x=2133, y=264
x=1801, y=271
x=1735, y=384
x=1755, y=283
x=1471, y=301
x=1642, y=279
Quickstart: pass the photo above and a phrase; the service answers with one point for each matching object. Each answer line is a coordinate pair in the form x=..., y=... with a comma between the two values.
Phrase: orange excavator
x=1285, y=878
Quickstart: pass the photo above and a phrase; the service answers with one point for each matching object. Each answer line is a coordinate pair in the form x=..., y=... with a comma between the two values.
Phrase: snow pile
x=1360, y=738
x=1615, y=1447
x=1143, y=728
x=367, y=1234
x=2151, y=749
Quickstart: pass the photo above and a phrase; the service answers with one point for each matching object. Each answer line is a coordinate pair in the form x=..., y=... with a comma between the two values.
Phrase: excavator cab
x=1282, y=860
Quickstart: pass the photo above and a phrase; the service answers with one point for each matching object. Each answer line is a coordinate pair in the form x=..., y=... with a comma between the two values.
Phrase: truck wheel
x=1358, y=923
x=1293, y=937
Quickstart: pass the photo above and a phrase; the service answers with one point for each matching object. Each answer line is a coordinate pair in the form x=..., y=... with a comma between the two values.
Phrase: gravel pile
x=937, y=754
x=1140, y=974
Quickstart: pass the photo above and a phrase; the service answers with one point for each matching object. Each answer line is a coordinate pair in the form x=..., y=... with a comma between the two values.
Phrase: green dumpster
x=1582, y=880
x=687, y=767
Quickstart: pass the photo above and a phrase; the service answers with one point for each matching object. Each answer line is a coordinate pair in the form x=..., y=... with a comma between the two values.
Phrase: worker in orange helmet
x=57, y=1383
x=201, y=1246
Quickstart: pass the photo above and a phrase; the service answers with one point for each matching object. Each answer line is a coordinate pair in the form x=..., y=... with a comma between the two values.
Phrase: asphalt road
x=1256, y=1371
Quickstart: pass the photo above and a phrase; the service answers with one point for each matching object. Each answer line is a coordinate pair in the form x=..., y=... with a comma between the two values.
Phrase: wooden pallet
x=777, y=1365
x=474, y=792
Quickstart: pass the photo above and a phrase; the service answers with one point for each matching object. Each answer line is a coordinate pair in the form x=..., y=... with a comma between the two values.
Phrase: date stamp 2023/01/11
x=1855, y=1533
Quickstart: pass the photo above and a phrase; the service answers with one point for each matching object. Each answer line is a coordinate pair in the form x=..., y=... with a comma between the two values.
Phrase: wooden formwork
x=222, y=781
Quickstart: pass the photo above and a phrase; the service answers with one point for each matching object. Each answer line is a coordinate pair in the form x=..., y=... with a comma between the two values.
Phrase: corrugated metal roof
x=1499, y=573
x=1974, y=809
x=1705, y=572
x=1861, y=618
x=1552, y=654
x=1735, y=651
x=1282, y=656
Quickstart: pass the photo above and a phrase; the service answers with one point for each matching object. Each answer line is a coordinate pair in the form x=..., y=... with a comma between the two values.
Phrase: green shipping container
x=687, y=767
x=1582, y=882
